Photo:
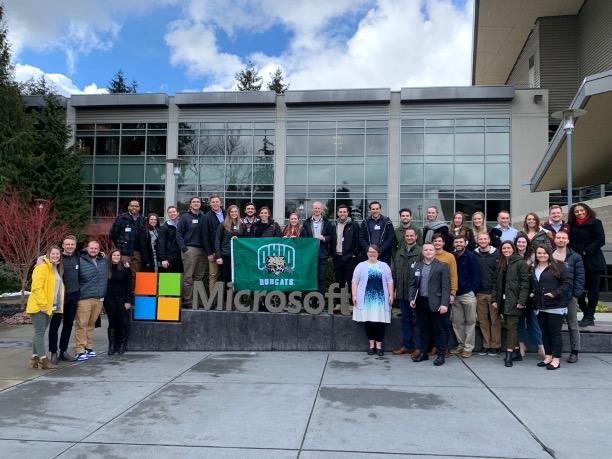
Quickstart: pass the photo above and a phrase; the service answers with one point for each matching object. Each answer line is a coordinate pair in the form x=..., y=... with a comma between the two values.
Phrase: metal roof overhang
x=592, y=141
x=84, y=101
x=501, y=28
x=338, y=96
x=225, y=98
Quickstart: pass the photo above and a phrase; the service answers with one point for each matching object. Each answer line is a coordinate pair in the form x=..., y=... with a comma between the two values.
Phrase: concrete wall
x=528, y=145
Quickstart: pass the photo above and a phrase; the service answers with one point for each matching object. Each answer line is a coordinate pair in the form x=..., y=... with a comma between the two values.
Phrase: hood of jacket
x=491, y=250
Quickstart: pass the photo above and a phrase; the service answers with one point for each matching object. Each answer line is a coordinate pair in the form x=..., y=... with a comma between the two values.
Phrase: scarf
x=582, y=221
x=433, y=226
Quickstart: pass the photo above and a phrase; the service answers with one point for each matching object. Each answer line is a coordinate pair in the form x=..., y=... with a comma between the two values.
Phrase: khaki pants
x=213, y=275
x=464, y=320
x=194, y=268
x=86, y=316
x=488, y=321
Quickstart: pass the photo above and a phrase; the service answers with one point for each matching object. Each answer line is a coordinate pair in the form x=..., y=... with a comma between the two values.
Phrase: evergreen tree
x=120, y=85
x=277, y=83
x=6, y=69
x=37, y=87
x=248, y=79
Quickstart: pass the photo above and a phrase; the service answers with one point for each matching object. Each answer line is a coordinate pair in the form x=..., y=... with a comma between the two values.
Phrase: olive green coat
x=517, y=287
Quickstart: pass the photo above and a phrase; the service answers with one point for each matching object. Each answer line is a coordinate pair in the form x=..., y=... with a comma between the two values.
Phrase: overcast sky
x=193, y=45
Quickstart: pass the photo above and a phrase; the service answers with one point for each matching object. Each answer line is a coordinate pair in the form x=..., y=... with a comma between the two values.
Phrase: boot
x=44, y=364
x=111, y=342
x=508, y=359
x=33, y=362
x=54, y=358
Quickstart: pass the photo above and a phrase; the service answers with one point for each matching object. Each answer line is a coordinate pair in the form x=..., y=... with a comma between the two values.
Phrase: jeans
x=40, y=320
x=67, y=319
x=529, y=328
x=410, y=337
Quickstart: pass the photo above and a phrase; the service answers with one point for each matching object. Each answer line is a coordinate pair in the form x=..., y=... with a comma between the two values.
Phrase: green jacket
x=541, y=239
x=517, y=287
x=400, y=242
x=403, y=272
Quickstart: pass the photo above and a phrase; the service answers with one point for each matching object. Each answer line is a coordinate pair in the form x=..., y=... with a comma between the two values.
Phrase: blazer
x=327, y=231
x=438, y=285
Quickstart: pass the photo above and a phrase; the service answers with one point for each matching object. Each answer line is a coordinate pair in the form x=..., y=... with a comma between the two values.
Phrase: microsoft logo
x=158, y=297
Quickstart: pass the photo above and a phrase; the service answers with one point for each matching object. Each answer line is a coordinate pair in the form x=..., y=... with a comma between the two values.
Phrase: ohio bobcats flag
x=270, y=263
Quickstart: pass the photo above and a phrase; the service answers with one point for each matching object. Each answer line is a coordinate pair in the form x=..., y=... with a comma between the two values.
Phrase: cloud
x=61, y=83
x=397, y=43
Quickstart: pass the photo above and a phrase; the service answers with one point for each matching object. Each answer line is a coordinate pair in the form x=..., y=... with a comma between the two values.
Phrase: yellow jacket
x=43, y=290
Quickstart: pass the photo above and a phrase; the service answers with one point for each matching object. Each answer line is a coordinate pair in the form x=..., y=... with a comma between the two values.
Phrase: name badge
x=412, y=265
x=128, y=230
x=195, y=222
x=76, y=267
x=343, y=239
x=417, y=274
x=376, y=227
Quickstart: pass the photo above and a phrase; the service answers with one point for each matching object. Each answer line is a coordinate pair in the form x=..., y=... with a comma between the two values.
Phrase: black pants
x=226, y=269
x=67, y=319
x=434, y=327
x=343, y=271
x=591, y=286
x=321, y=274
x=551, y=332
x=375, y=331
x=118, y=319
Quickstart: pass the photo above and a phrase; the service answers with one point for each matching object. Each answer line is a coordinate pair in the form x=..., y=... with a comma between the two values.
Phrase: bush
x=8, y=280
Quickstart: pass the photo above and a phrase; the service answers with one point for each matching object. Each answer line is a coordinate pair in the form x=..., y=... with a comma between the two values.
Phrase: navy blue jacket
x=575, y=266
x=210, y=223
x=93, y=277
x=468, y=272
x=386, y=242
x=189, y=231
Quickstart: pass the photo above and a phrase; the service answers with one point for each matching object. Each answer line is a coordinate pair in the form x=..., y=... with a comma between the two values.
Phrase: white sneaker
x=80, y=357
x=90, y=353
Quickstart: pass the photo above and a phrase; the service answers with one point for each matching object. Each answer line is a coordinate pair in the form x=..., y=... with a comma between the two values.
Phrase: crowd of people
x=444, y=277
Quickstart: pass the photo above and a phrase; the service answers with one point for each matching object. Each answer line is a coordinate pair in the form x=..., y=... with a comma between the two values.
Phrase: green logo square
x=169, y=284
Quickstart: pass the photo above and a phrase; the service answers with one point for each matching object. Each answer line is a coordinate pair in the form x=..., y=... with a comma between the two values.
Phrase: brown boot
x=33, y=362
x=44, y=364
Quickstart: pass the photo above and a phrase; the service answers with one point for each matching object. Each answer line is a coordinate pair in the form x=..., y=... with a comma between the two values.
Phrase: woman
x=266, y=227
x=536, y=235
x=528, y=326
x=293, y=228
x=372, y=290
x=510, y=293
x=230, y=229
x=479, y=225
x=458, y=227
x=551, y=284
x=148, y=244
x=117, y=303
x=46, y=297
x=587, y=237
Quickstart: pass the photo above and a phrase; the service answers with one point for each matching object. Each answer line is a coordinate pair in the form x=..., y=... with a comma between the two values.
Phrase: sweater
x=449, y=259
x=189, y=231
x=468, y=273
x=120, y=285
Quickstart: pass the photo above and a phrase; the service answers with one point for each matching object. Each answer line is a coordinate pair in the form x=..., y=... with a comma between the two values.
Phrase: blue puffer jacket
x=575, y=266
x=93, y=277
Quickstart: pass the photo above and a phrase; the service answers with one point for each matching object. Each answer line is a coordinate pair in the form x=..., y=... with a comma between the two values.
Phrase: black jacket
x=148, y=250
x=261, y=229
x=210, y=223
x=575, y=266
x=438, y=286
x=350, y=243
x=587, y=240
x=248, y=226
x=70, y=263
x=488, y=268
x=327, y=231
x=387, y=237
x=223, y=240
x=470, y=240
x=125, y=231
x=403, y=270
x=189, y=231
x=120, y=286
x=560, y=288
x=167, y=247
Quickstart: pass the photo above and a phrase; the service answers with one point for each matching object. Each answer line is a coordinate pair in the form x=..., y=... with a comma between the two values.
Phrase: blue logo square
x=145, y=308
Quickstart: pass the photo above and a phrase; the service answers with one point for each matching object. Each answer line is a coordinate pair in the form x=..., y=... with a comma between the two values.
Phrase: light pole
x=176, y=171
x=40, y=205
x=568, y=118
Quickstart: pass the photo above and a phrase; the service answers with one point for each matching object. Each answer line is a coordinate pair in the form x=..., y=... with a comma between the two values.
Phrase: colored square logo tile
x=169, y=284
x=145, y=308
x=168, y=309
x=146, y=284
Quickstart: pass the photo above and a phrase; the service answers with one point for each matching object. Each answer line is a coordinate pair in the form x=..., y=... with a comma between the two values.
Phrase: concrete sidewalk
x=309, y=405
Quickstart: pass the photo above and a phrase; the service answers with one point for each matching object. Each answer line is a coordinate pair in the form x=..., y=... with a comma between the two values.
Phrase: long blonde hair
x=483, y=228
x=229, y=223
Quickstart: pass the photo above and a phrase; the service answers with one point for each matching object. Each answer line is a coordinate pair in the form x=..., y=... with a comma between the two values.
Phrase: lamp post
x=40, y=205
x=176, y=171
x=568, y=118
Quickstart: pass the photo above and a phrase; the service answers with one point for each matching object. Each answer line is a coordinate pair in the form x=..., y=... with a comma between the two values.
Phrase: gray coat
x=438, y=285
x=93, y=277
x=403, y=270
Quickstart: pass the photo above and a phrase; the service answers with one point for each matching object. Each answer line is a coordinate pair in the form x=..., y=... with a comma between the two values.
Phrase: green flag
x=272, y=263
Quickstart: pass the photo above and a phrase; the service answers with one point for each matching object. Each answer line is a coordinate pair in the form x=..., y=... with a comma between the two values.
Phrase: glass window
x=413, y=123
x=438, y=173
x=212, y=145
x=156, y=145
x=498, y=122
x=322, y=145
x=131, y=173
x=469, y=144
x=439, y=159
x=106, y=173
x=239, y=174
x=87, y=172
x=156, y=173
x=104, y=206
x=349, y=174
x=497, y=159
x=239, y=145
x=439, y=144
x=495, y=206
x=469, y=207
x=376, y=174
x=295, y=175
x=351, y=145
x=497, y=174
x=264, y=146
x=498, y=143
x=321, y=174
x=188, y=146
x=133, y=145
x=412, y=144
x=107, y=146
x=469, y=174
x=469, y=122
x=377, y=145
x=297, y=145
x=411, y=174
x=263, y=173
x=84, y=146
x=439, y=123
x=212, y=174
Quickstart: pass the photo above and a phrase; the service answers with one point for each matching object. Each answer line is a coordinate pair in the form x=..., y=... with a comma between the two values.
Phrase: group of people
x=444, y=277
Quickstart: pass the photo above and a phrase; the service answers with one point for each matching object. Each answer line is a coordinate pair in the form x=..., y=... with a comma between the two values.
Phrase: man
x=377, y=229
x=189, y=240
x=167, y=248
x=212, y=219
x=250, y=219
x=555, y=222
x=93, y=280
x=320, y=228
x=503, y=231
x=346, y=248
x=575, y=266
x=464, y=307
x=405, y=223
x=448, y=259
x=124, y=234
x=430, y=295
x=488, y=316
x=404, y=262
x=70, y=265
x=435, y=226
